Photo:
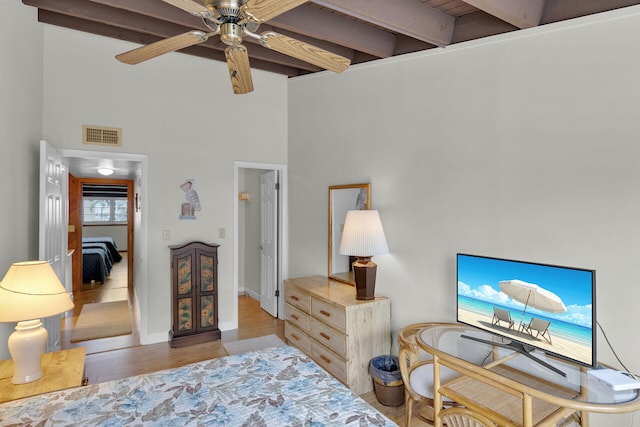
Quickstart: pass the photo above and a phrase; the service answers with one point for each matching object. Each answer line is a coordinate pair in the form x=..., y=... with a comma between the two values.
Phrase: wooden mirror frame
x=349, y=190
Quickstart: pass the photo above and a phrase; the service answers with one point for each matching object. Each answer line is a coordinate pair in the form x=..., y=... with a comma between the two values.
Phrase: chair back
x=539, y=324
x=416, y=365
x=463, y=417
x=408, y=352
x=501, y=314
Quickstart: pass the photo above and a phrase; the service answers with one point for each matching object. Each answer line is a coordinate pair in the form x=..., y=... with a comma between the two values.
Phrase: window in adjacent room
x=104, y=204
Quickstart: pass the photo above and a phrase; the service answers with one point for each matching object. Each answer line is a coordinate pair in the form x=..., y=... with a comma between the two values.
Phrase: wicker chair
x=463, y=417
x=417, y=376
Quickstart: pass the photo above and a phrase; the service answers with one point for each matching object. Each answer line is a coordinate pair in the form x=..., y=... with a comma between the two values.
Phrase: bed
x=108, y=242
x=279, y=386
x=94, y=265
x=98, y=256
x=102, y=246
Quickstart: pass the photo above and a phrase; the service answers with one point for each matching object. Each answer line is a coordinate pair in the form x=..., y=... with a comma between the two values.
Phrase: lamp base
x=26, y=346
x=364, y=271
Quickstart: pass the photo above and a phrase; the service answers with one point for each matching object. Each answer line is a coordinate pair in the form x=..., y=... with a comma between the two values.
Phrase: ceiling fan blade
x=194, y=8
x=161, y=47
x=239, y=69
x=264, y=10
x=304, y=51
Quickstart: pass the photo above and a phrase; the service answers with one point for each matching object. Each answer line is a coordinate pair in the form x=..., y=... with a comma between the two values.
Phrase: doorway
x=130, y=171
x=249, y=224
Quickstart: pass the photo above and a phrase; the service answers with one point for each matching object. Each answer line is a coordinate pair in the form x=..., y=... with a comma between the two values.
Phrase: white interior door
x=269, y=242
x=54, y=217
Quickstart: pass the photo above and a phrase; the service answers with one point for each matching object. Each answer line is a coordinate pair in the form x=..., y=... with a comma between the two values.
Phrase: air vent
x=99, y=135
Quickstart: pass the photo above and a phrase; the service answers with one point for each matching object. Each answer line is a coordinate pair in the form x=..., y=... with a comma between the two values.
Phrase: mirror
x=343, y=198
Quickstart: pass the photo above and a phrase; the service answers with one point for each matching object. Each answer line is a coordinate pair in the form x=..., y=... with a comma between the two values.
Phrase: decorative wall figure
x=193, y=202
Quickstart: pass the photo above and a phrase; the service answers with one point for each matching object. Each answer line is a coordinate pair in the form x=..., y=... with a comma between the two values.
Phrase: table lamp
x=30, y=291
x=363, y=237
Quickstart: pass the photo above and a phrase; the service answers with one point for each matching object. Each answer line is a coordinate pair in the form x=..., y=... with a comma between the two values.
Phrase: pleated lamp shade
x=363, y=235
x=31, y=290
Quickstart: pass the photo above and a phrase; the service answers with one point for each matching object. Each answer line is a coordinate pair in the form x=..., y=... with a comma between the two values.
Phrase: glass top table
x=517, y=390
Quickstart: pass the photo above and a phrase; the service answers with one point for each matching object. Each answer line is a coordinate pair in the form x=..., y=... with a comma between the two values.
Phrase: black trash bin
x=387, y=380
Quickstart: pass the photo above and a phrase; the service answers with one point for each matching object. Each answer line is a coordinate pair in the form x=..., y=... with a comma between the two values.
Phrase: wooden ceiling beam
x=560, y=10
x=426, y=23
x=156, y=9
x=314, y=21
x=519, y=13
x=479, y=24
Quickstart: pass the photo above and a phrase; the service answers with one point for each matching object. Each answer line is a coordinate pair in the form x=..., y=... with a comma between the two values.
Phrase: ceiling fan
x=233, y=20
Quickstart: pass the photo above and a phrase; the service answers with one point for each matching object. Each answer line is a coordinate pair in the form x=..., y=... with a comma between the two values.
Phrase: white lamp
x=29, y=291
x=363, y=237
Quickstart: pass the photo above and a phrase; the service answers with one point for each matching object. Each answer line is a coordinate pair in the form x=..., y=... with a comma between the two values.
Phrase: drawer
x=333, y=339
x=330, y=361
x=298, y=298
x=297, y=317
x=334, y=316
x=297, y=338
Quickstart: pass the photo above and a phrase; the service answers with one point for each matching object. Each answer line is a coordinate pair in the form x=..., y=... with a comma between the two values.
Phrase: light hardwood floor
x=121, y=357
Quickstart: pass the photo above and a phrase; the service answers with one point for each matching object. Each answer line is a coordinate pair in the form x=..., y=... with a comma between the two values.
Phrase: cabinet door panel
x=206, y=273
x=207, y=312
x=185, y=268
x=185, y=314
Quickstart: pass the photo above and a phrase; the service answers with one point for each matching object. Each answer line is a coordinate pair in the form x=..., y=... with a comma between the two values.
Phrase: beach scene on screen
x=545, y=306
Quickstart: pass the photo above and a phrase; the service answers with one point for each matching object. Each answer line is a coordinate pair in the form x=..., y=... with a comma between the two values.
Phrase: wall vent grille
x=100, y=135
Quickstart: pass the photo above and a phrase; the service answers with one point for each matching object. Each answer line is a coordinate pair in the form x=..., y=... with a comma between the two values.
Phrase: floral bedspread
x=273, y=387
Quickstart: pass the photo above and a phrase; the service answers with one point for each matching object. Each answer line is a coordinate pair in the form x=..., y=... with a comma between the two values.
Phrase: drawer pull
x=295, y=337
x=325, y=336
x=295, y=298
x=294, y=317
x=325, y=313
x=325, y=358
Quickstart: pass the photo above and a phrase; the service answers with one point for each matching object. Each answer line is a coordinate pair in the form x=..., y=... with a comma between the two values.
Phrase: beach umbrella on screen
x=532, y=295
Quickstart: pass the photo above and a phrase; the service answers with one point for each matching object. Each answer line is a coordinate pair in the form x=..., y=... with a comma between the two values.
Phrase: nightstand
x=62, y=369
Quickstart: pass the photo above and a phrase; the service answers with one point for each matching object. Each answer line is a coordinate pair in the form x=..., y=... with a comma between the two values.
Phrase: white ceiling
x=87, y=167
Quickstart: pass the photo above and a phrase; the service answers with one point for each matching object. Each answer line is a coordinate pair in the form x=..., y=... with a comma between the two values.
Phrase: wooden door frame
x=75, y=223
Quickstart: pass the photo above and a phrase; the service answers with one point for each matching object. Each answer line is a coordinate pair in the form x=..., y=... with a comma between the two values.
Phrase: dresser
x=194, y=294
x=342, y=334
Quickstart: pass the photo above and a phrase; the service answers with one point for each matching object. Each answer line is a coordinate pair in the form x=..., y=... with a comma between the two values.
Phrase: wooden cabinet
x=342, y=334
x=194, y=290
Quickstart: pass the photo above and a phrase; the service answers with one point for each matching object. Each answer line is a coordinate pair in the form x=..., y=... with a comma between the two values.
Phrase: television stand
x=520, y=348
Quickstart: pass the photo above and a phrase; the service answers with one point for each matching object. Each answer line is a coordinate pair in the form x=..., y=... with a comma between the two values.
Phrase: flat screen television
x=532, y=306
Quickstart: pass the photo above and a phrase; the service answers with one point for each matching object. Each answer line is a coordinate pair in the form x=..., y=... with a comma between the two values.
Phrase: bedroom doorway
x=130, y=170
x=260, y=234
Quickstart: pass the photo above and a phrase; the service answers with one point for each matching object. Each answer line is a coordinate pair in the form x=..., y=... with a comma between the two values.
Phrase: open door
x=269, y=242
x=53, y=220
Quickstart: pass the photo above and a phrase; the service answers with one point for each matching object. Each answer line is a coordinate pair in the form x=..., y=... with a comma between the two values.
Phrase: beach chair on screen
x=540, y=327
x=500, y=315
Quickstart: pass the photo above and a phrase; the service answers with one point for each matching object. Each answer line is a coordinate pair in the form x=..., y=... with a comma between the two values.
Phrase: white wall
x=181, y=112
x=519, y=146
x=20, y=131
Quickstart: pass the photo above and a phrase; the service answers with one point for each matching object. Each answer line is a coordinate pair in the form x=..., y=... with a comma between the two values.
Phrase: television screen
x=547, y=307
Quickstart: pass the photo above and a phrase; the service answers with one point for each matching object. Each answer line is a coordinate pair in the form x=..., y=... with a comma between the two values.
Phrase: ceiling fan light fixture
x=105, y=171
x=231, y=33
x=233, y=20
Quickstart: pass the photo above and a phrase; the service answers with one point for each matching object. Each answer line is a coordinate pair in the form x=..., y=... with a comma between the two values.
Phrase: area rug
x=251, y=344
x=102, y=320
